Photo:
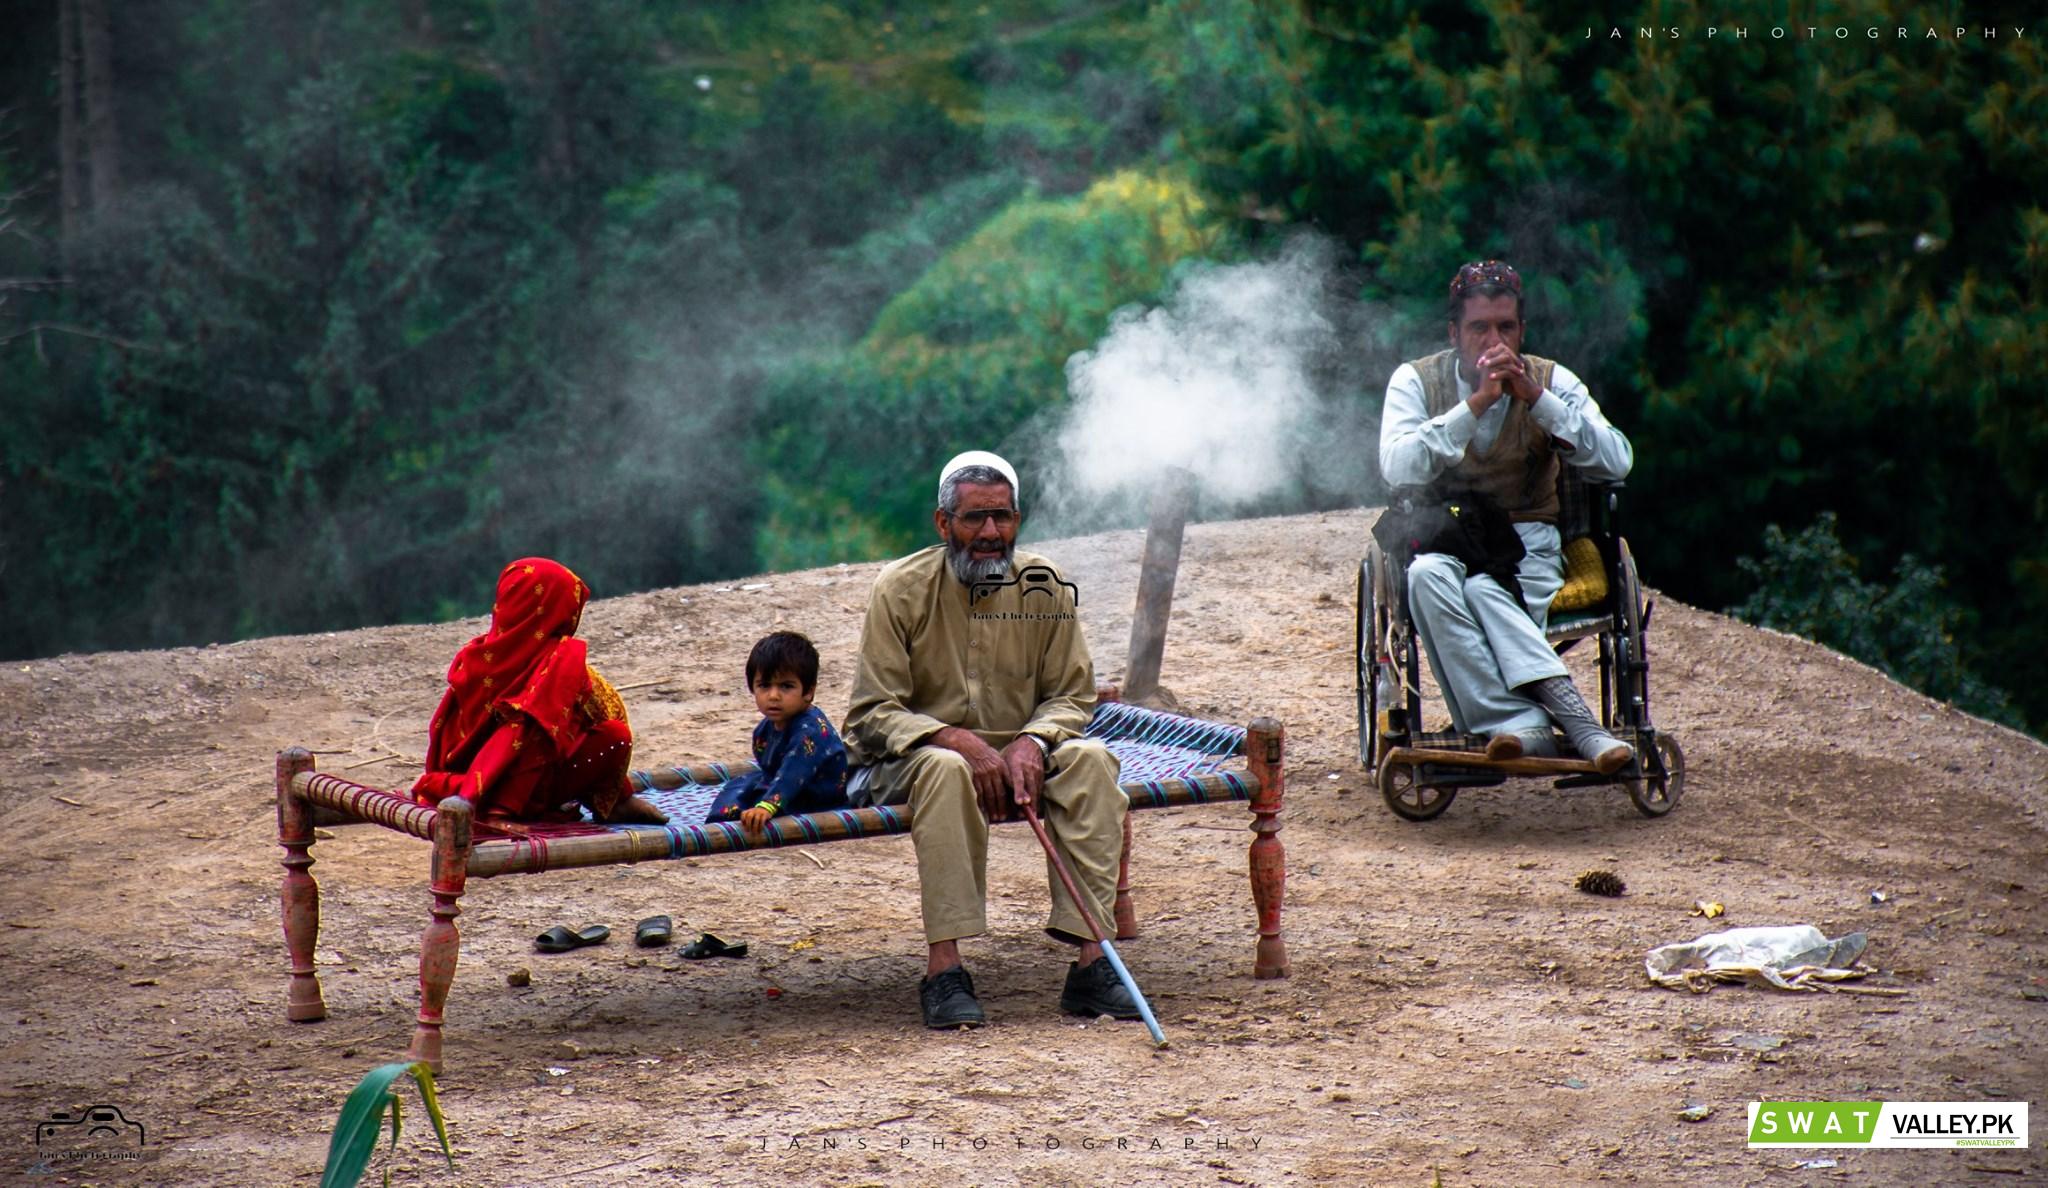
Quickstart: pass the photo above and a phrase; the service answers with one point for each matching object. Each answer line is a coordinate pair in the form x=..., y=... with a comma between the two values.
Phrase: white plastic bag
x=1791, y=957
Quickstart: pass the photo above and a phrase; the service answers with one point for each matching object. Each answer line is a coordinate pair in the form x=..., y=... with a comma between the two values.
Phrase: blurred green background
x=312, y=314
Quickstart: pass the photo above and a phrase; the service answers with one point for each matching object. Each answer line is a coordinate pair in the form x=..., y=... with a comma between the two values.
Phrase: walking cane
x=1116, y=963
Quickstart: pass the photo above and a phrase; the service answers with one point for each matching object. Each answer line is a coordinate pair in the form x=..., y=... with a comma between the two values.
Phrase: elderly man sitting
x=970, y=696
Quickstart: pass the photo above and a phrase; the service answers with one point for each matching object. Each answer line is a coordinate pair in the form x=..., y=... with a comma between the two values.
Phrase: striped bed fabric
x=1166, y=760
x=1162, y=758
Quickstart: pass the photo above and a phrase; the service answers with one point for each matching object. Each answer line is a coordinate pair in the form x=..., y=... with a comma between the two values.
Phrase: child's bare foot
x=636, y=810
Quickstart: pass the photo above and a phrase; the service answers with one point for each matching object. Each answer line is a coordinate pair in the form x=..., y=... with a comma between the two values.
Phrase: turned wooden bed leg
x=1263, y=746
x=1126, y=915
x=442, y=942
x=301, y=895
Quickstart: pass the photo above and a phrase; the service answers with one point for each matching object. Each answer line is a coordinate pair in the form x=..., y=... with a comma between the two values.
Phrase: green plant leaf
x=355, y=1132
x=362, y=1118
x=425, y=1078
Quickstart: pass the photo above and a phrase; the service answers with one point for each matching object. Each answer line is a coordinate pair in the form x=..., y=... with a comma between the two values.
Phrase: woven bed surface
x=1153, y=750
x=1165, y=760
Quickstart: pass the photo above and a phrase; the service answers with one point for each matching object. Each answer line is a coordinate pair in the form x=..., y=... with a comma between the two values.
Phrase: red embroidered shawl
x=526, y=664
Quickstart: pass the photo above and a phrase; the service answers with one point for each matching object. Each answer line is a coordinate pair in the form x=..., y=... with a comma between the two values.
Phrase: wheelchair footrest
x=1528, y=765
x=1592, y=781
x=1429, y=775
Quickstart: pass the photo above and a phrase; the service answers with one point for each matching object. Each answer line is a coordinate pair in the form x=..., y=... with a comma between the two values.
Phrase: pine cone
x=1600, y=882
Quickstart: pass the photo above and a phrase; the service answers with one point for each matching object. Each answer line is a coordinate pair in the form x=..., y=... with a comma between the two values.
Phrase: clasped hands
x=1012, y=776
x=1502, y=372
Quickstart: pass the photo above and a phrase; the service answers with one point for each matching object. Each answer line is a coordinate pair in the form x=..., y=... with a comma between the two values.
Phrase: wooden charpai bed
x=1167, y=761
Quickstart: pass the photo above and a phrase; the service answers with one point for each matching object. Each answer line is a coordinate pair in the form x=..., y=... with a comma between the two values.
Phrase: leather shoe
x=947, y=998
x=1096, y=990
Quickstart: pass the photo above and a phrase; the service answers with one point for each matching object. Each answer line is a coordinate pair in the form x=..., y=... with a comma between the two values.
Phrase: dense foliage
x=393, y=292
x=382, y=294
x=1808, y=584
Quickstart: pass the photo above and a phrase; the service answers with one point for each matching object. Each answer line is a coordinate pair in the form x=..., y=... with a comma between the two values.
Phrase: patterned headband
x=1486, y=272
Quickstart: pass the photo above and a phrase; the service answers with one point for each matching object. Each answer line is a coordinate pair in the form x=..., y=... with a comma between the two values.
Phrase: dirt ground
x=1456, y=1009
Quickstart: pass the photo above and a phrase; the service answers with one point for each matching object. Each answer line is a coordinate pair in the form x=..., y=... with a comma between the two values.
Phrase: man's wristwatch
x=1044, y=747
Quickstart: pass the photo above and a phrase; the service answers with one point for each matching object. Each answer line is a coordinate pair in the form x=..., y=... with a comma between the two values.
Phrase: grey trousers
x=1481, y=645
x=1081, y=805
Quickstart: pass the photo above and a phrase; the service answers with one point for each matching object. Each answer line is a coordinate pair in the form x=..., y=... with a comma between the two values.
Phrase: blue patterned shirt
x=802, y=770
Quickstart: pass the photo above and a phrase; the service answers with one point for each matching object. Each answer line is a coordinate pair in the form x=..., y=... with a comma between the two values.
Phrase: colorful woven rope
x=368, y=804
x=1205, y=744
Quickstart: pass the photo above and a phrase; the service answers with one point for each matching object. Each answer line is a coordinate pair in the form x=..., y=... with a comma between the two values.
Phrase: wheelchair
x=1419, y=772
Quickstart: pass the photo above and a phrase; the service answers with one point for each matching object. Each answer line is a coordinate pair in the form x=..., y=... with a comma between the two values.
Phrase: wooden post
x=1126, y=915
x=442, y=943
x=1171, y=502
x=301, y=895
x=1263, y=748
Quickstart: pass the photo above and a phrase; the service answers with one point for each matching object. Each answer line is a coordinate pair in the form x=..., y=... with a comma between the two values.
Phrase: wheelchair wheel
x=1366, y=646
x=1632, y=656
x=1408, y=796
x=1655, y=795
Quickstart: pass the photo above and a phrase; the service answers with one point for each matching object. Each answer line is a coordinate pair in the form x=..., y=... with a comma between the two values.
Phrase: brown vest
x=1520, y=471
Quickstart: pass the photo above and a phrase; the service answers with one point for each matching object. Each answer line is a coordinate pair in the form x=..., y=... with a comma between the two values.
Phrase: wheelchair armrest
x=1607, y=508
x=1603, y=510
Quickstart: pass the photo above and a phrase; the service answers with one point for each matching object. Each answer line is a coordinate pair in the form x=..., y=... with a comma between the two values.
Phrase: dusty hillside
x=1456, y=1007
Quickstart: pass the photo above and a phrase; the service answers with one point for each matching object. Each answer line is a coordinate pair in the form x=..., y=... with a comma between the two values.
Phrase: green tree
x=973, y=352
x=1808, y=584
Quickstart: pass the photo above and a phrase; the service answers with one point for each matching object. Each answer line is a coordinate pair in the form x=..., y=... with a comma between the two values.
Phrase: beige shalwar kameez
x=1013, y=663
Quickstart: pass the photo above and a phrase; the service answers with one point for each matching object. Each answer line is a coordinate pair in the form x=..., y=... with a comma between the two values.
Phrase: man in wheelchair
x=1487, y=423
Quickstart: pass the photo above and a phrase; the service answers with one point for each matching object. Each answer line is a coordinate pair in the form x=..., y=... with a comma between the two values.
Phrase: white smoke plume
x=1253, y=376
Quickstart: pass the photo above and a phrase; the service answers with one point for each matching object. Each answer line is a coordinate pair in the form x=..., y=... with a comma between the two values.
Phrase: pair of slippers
x=650, y=933
x=560, y=940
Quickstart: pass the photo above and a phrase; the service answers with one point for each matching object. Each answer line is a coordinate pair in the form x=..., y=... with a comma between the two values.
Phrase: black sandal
x=560, y=940
x=653, y=932
x=708, y=945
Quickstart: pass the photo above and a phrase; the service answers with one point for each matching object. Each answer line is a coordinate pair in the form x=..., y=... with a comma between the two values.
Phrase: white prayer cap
x=994, y=462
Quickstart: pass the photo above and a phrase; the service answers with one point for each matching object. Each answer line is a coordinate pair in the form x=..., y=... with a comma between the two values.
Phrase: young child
x=802, y=761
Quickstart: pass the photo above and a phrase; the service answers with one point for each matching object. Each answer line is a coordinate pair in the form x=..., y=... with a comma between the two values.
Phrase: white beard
x=969, y=571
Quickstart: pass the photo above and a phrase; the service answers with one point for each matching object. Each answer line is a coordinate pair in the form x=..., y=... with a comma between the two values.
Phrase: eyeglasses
x=1001, y=517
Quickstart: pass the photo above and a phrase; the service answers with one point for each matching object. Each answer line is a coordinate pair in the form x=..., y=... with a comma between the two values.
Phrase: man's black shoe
x=1096, y=991
x=948, y=1000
